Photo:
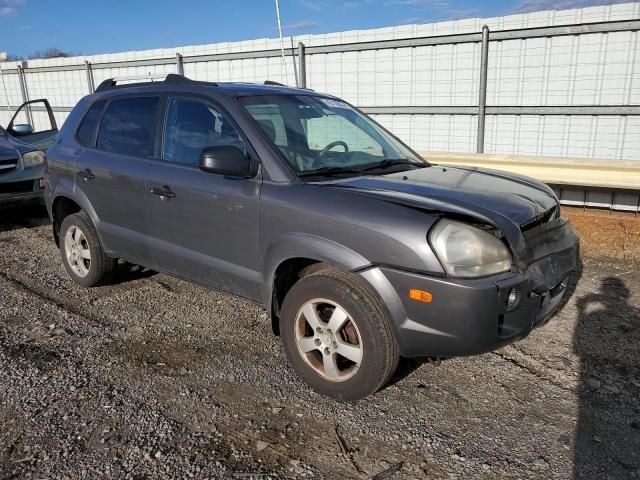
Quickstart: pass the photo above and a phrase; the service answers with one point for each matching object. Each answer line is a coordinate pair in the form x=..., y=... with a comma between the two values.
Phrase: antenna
x=284, y=63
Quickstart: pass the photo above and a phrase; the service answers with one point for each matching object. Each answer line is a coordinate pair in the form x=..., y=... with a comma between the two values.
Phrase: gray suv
x=361, y=250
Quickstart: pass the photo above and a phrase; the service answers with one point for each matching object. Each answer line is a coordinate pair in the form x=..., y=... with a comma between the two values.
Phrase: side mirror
x=226, y=160
x=21, y=129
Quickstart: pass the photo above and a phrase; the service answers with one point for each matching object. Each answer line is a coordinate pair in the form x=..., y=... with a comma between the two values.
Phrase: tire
x=78, y=238
x=316, y=351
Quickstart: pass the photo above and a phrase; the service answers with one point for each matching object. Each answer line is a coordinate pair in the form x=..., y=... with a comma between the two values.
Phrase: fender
x=506, y=226
x=65, y=189
x=301, y=245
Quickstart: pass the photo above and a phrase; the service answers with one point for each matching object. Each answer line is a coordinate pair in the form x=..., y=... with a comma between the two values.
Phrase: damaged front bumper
x=470, y=316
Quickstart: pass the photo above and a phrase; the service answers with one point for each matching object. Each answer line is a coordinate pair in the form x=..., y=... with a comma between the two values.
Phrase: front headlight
x=467, y=251
x=32, y=159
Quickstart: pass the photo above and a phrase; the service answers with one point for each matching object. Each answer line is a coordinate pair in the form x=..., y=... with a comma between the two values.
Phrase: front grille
x=17, y=187
x=545, y=217
x=7, y=166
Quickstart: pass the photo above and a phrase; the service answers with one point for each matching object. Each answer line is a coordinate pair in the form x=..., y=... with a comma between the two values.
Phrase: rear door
x=112, y=169
x=35, y=124
x=205, y=227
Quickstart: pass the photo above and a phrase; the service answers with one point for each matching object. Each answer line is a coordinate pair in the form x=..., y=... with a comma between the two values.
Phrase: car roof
x=180, y=83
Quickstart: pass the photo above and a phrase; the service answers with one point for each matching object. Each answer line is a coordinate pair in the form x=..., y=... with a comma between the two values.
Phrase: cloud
x=526, y=6
x=439, y=10
x=463, y=13
x=10, y=7
x=410, y=20
x=420, y=3
x=303, y=25
x=353, y=5
x=311, y=5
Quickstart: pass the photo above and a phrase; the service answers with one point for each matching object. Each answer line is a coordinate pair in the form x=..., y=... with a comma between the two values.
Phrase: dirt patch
x=606, y=233
x=38, y=355
x=162, y=357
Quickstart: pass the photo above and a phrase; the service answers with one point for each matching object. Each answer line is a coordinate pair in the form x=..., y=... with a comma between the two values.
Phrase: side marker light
x=420, y=295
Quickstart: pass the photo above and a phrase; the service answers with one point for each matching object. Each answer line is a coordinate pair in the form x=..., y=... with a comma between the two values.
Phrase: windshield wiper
x=390, y=162
x=384, y=164
x=329, y=171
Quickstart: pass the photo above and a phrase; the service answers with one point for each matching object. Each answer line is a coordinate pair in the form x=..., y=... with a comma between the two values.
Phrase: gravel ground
x=156, y=378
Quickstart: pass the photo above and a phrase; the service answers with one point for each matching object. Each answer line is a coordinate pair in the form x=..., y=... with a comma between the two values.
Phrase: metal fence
x=617, y=120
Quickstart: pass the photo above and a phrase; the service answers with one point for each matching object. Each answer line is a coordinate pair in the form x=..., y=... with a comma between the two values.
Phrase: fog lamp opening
x=513, y=299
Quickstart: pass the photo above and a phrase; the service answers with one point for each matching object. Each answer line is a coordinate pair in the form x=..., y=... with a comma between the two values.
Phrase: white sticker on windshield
x=331, y=103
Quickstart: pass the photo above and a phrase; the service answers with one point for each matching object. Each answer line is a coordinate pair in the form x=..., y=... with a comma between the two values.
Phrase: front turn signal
x=420, y=295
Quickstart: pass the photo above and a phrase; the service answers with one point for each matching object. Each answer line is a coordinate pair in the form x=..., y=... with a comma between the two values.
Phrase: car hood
x=9, y=146
x=504, y=200
x=7, y=149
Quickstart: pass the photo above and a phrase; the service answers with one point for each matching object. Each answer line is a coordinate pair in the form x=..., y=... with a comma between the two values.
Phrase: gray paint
x=232, y=234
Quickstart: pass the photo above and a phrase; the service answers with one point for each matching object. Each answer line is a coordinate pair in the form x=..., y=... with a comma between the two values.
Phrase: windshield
x=318, y=135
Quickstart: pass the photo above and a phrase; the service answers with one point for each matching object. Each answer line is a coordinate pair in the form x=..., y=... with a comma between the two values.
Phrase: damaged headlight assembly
x=32, y=159
x=466, y=251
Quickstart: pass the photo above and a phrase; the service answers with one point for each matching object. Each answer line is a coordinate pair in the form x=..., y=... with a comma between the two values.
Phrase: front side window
x=270, y=120
x=128, y=126
x=324, y=135
x=88, y=125
x=192, y=126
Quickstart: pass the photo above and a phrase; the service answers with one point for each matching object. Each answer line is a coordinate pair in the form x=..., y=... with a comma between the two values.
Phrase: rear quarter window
x=128, y=126
x=88, y=125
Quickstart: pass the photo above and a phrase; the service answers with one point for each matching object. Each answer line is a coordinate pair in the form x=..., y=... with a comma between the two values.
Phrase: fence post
x=302, y=66
x=482, y=99
x=179, y=64
x=89, y=71
x=24, y=91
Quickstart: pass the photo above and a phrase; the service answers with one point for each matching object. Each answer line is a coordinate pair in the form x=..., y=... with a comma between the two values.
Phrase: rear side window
x=128, y=126
x=88, y=125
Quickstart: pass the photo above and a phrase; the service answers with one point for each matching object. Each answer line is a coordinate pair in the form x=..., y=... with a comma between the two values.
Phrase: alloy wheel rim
x=76, y=249
x=328, y=340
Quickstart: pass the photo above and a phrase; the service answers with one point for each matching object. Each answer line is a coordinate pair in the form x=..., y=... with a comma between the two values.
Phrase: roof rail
x=106, y=84
x=175, y=79
x=170, y=79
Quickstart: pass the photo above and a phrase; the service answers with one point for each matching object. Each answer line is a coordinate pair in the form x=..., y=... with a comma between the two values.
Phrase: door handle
x=164, y=193
x=86, y=175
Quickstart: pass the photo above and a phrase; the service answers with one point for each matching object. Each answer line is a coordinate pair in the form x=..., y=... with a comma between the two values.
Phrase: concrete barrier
x=621, y=175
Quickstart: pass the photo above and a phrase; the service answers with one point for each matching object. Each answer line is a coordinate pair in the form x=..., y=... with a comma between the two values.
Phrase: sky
x=97, y=26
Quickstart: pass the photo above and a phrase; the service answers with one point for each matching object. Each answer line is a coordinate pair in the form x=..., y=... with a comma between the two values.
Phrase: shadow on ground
x=607, y=341
x=28, y=215
x=128, y=272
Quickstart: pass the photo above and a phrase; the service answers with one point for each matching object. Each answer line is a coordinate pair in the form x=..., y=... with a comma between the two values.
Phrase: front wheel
x=337, y=337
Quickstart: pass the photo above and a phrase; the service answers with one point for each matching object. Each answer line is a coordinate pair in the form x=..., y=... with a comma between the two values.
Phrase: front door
x=34, y=123
x=202, y=226
x=112, y=169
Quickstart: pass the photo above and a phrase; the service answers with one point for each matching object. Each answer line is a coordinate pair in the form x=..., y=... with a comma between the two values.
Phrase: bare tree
x=51, y=53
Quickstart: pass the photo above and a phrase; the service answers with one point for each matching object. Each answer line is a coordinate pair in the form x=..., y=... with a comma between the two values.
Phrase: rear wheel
x=82, y=255
x=337, y=337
